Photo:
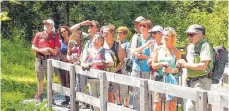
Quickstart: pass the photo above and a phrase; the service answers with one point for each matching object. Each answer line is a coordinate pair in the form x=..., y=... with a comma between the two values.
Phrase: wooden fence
x=200, y=96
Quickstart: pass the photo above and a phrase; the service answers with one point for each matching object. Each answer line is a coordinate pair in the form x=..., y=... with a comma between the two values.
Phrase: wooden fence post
x=103, y=91
x=72, y=88
x=49, y=82
x=144, y=90
x=201, y=102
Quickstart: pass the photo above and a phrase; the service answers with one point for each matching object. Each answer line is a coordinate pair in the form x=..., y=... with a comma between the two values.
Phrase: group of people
x=151, y=54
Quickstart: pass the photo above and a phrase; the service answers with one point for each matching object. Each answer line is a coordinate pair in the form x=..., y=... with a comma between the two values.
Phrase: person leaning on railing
x=141, y=53
x=164, y=60
x=199, y=61
x=64, y=33
x=98, y=58
x=118, y=56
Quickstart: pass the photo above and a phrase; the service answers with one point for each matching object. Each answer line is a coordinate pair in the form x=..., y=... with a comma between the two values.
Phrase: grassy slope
x=18, y=78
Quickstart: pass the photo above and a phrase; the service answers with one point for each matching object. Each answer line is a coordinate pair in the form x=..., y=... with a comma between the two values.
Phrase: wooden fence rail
x=200, y=96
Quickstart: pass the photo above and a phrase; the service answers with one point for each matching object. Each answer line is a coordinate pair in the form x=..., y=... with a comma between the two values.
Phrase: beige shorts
x=41, y=69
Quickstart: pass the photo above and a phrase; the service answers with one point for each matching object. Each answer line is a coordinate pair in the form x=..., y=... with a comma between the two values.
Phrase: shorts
x=41, y=69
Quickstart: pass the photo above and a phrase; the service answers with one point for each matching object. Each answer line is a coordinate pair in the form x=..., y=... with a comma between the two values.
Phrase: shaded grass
x=18, y=77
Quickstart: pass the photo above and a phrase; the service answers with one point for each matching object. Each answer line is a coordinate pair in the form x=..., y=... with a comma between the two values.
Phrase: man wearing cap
x=199, y=61
x=46, y=44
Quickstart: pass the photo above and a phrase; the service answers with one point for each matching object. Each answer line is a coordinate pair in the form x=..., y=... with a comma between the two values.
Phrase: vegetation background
x=20, y=20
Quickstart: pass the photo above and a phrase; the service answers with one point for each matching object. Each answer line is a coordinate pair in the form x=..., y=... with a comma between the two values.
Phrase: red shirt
x=41, y=42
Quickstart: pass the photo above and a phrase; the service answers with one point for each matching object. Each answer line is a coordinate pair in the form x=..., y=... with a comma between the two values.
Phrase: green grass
x=18, y=77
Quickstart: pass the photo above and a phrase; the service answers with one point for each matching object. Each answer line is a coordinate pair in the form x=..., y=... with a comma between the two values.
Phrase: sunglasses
x=191, y=35
x=144, y=26
x=63, y=31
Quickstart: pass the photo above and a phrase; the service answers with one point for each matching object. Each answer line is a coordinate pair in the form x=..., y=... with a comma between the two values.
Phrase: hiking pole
x=164, y=95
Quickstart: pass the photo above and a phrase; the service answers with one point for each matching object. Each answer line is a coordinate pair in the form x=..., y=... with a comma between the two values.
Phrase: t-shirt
x=205, y=54
x=42, y=40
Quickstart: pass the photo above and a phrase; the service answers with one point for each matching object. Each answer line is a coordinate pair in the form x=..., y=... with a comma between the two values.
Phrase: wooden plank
x=201, y=102
x=72, y=88
x=88, y=99
x=61, y=65
x=179, y=91
x=61, y=89
x=123, y=79
x=49, y=82
x=90, y=73
x=144, y=95
x=218, y=99
x=115, y=107
x=103, y=92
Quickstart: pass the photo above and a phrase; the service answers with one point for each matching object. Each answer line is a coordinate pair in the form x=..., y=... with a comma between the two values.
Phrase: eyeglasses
x=144, y=26
x=119, y=32
x=63, y=31
x=192, y=35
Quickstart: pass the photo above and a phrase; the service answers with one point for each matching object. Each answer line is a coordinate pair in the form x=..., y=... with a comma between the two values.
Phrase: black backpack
x=129, y=61
x=220, y=56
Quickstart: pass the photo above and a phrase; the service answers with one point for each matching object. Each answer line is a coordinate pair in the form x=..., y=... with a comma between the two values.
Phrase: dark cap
x=195, y=28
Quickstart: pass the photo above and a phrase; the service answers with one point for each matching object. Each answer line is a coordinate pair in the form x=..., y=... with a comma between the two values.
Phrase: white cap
x=139, y=19
x=156, y=28
x=50, y=21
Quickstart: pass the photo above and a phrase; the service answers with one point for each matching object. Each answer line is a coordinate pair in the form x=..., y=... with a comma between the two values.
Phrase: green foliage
x=177, y=14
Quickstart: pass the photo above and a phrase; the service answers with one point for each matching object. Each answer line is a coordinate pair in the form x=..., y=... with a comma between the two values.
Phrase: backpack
x=129, y=61
x=110, y=68
x=220, y=58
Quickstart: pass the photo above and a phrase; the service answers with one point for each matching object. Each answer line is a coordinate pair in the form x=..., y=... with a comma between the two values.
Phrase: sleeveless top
x=63, y=47
x=171, y=59
x=141, y=65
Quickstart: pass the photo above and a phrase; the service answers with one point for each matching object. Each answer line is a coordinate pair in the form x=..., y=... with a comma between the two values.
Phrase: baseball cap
x=139, y=19
x=156, y=28
x=50, y=21
x=195, y=28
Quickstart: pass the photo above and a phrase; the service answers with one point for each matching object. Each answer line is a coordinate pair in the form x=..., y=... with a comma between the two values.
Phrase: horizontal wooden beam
x=123, y=79
x=175, y=90
x=88, y=99
x=90, y=73
x=61, y=65
x=115, y=107
x=61, y=89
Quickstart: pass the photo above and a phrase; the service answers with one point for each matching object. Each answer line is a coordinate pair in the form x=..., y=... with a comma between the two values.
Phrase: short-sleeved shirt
x=206, y=53
x=42, y=40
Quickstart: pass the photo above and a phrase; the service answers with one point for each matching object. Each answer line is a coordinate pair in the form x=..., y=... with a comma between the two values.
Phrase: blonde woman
x=164, y=60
